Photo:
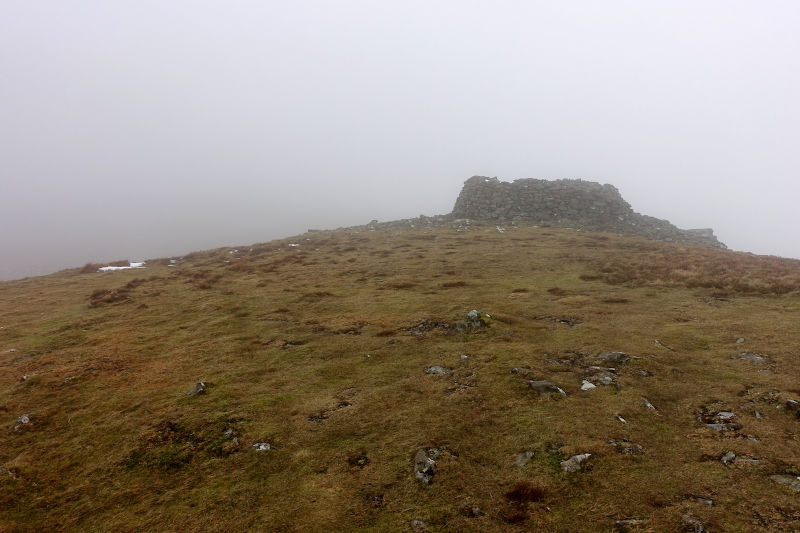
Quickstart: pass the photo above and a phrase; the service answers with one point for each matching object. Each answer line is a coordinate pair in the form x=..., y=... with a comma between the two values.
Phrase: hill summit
x=568, y=202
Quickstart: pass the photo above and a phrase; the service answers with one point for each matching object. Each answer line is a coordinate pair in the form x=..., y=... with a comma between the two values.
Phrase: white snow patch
x=293, y=245
x=110, y=268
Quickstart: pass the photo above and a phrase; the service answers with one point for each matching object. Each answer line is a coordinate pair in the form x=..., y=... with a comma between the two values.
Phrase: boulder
x=574, y=463
x=424, y=466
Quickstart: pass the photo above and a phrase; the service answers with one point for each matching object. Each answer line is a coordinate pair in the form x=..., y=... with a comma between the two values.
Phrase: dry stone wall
x=571, y=203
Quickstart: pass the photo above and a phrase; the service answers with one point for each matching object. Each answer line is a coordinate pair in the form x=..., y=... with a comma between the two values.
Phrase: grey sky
x=135, y=129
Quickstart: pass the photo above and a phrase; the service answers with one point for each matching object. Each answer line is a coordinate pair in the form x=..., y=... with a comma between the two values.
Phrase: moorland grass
x=318, y=350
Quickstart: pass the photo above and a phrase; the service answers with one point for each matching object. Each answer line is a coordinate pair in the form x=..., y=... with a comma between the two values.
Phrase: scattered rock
x=475, y=512
x=728, y=458
x=546, y=389
x=628, y=448
x=614, y=357
x=478, y=319
x=705, y=500
x=662, y=345
x=626, y=523
x=22, y=420
x=359, y=459
x=424, y=465
x=619, y=417
x=786, y=479
x=604, y=378
x=523, y=458
x=68, y=379
x=587, y=385
x=693, y=524
x=6, y=471
x=740, y=340
x=319, y=418
x=649, y=405
x=721, y=421
x=644, y=373
x=200, y=388
x=752, y=357
x=419, y=525
x=464, y=356
x=791, y=405
x=437, y=370
x=520, y=370
x=262, y=446
x=573, y=464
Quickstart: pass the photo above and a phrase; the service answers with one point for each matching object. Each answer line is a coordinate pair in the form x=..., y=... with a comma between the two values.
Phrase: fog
x=141, y=129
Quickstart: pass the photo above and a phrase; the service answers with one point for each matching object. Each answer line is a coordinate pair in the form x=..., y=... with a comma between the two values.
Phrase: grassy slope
x=282, y=334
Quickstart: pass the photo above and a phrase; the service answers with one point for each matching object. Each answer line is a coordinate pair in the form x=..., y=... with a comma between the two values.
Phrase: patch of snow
x=131, y=265
x=293, y=245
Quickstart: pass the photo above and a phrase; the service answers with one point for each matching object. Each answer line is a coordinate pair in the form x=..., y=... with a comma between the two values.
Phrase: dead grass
x=310, y=353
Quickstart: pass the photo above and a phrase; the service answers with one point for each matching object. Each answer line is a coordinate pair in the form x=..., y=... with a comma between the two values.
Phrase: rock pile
x=572, y=203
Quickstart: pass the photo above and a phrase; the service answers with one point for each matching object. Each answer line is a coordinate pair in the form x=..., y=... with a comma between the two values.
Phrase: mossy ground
x=315, y=349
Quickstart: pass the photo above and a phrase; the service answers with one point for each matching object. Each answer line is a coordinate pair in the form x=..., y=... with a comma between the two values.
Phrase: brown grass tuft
x=525, y=491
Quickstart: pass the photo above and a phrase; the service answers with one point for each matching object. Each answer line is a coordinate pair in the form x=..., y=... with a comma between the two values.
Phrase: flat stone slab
x=614, y=357
x=755, y=358
x=546, y=388
x=437, y=370
x=786, y=479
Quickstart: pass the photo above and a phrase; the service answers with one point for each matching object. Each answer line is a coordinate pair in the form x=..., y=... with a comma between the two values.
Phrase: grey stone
x=628, y=448
x=546, y=388
x=262, y=446
x=626, y=523
x=574, y=463
x=523, y=458
x=424, y=466
x=755, y=358
x=648, y=404
x=22, y=420
x=418, y=525
x=728, y=458
x=786, y=479
x=478, y=319
x=587, y=385
x=568, y=203
x=200, y=388
x=614, y=357
x=740, y=340
x=693, y=524
x=437, y=370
